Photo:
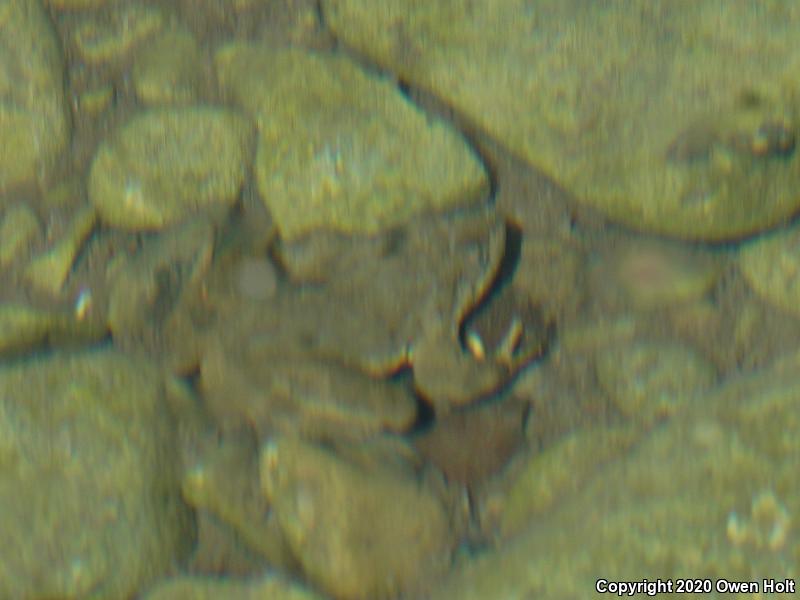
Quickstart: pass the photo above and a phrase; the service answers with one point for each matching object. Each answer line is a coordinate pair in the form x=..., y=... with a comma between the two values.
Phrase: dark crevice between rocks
x=426, y=417
x=435, y=107
x=191, y=379
x=320, y=12
x=505, y=273
x=427, y=102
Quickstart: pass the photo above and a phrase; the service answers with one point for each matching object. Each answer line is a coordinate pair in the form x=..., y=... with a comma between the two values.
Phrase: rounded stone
x=112, y=35
x=89, y=495
x=356, y=533
x=169, y=70
x=649, y=380
x=342, y=149
x=33, y=115
x=771, y=265
x=168, y=164
x=684, y=122
x=256, y=278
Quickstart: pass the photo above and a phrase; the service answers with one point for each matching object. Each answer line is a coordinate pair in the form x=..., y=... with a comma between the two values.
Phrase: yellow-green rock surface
x=674, y=117
x=168, y=164
x=169, y=70
x=33, y=115
x=89, y=497
x=712, y=493
x=358, y=534
x=109, y=36
x=771, y=265
x=340, y=148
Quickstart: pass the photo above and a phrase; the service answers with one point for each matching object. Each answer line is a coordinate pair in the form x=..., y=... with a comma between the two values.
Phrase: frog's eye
x=475, y=345
x=269, y=456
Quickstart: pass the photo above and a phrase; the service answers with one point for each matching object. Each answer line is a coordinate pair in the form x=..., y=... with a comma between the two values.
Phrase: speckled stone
x=34, y=127
x=89, y=490
x=167, y=164
x=771, y=265
x=683, y=122
x=341, y=148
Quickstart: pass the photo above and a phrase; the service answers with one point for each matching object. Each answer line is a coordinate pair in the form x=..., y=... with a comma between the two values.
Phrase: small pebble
x=256, y=278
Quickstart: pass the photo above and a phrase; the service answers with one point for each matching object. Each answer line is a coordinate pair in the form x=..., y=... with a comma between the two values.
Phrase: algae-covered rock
x=168, y=164
x=149, y=290
x=111, y=35
x=33, y=115
x=771, y=265
x=169, y=70
x=89, y=498
x=19, y=229
x=340, y=148
x=224, y=482
x=649, y=380
x=713, y=493
x=540, y=481
x=650, y=274
x=357, y=534
x=683, y=121
x=49, y=270
x=25, y=328
x=274, y=387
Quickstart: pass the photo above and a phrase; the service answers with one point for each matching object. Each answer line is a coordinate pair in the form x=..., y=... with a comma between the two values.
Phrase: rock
x=720, y=478
x=539, y=481
x=341, y=149
x=33, y=115
x=771, y=265
x=19, y=230
x=48, y=271
x=110, y=36
x=650, y=381
x=256, y=278
x=357, y=534
x=647, y=274
x=88, y=478
x=275, y=388
x=224, y=481
x=166, y=165
x=169, y=70
x=24, y=328
x=150, y=289
x=659, y=132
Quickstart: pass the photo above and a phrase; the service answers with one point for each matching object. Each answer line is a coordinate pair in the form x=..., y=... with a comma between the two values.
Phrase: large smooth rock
x=342, y=149
x=33, y=115
x=711, y=494
x=357, y=533
x=674, y=117
x=166, y=165
x=89, y=496
x=771, y=265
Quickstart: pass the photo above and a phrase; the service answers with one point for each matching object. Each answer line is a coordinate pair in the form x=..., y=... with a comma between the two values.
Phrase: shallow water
x=490, y=384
